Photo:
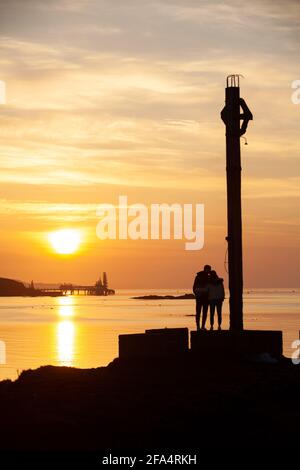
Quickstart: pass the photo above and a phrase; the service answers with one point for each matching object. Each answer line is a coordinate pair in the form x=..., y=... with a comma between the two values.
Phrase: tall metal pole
x=232, y=116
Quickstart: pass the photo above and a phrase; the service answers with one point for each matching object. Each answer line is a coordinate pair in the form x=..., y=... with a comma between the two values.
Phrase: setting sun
x=65, y=242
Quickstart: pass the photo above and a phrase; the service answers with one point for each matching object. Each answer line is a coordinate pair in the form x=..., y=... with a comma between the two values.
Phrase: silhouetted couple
x=209, y=291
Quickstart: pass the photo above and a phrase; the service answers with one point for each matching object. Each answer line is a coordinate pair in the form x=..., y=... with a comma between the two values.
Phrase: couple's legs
x=213, y=305
x=204, y=314
x=198, y=313
x=201, y=305
x=219, y=312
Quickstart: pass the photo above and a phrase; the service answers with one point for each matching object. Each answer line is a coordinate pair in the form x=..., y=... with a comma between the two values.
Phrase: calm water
x=83, y=331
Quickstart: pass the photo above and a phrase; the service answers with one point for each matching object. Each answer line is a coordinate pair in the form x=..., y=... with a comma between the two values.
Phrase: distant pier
x=73, y=289
x=99, y=288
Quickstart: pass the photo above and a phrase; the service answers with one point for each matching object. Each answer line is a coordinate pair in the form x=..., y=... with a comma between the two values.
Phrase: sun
x=66, y=241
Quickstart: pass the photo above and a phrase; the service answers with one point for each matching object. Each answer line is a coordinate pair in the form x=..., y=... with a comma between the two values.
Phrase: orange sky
x=106, y=98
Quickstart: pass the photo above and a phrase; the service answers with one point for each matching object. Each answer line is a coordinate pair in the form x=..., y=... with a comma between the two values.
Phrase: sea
x=82, y=331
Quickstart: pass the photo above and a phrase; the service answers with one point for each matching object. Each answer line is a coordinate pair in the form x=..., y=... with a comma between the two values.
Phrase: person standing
x=200, y=289
x=216, y=296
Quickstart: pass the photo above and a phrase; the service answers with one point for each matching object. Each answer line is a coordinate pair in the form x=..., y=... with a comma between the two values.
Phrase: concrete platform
x=212, y=342
x=241, y=343
x=169, y=342
x=154, y=343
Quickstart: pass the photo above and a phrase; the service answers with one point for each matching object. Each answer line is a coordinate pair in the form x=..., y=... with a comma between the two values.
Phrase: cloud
x=51, y=212
x=126, y=96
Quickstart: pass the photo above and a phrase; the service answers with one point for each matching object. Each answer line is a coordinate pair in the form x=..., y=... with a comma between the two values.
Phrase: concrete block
x=258, y=342
x=212, y=342
x=154, y=343
x=176, y=338
x=241, y=343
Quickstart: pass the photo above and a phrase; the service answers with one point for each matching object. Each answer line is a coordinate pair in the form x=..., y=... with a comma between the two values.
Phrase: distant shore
x=164, y=297
x=13, y=288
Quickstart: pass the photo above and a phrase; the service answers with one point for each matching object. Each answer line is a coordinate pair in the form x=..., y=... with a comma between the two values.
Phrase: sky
x=123, y=97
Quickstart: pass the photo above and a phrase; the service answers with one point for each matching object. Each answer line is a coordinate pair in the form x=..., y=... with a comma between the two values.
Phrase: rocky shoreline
x=180, y=402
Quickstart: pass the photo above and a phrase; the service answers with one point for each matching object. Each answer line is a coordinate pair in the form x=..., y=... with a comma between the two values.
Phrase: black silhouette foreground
x=157, y=403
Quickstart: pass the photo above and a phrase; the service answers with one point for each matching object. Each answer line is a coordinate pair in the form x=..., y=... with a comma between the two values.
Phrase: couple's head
x=212, y=274
x=207, y=268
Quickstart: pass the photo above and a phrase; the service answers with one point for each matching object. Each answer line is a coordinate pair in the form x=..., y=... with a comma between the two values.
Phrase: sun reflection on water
x=65, y=342
x=65, y=331
x=66, y=306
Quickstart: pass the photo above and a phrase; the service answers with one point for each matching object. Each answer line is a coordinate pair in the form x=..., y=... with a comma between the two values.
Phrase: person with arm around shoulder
x=216, y=296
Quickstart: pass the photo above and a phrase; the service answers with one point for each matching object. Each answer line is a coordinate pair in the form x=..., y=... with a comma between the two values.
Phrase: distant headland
x=165, y=297
x=14, y=288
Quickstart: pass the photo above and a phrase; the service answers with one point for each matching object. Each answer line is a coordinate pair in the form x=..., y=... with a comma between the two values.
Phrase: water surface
x=83, y=331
